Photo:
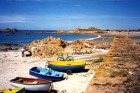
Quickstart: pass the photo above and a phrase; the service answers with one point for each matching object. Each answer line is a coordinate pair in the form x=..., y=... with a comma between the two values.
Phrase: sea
x=24, y=37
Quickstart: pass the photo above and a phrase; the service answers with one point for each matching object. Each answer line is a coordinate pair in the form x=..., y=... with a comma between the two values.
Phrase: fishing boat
x=31, y=84
x=13, y=90
x=77, y=65
x=45, y=73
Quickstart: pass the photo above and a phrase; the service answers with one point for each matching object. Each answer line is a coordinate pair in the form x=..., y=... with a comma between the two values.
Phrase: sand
x=13, y=65
x=108, y=37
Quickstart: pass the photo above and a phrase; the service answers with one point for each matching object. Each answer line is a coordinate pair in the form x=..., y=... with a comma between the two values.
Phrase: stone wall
x=120, y=71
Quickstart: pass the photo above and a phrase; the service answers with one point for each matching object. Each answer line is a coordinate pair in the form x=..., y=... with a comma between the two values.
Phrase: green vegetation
x=100, y=59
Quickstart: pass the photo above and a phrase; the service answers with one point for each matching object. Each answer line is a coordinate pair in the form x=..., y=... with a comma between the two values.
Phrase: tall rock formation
x=46, y=47
x=120, y=71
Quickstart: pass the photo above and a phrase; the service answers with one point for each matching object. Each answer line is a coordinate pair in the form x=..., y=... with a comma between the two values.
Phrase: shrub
x=99, y=60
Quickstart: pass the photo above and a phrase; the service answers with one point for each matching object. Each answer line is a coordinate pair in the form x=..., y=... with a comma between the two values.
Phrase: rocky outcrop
x=90, y=30
x=119, y=73
x=83, y=46
x=9, y=30
x=46, y=47
x=51, y=46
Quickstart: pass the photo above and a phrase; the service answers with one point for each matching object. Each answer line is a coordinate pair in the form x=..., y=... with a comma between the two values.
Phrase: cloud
x=30, y=18
x=112, y=16
x=88, y=17
x=77, y=17
x=14, y=19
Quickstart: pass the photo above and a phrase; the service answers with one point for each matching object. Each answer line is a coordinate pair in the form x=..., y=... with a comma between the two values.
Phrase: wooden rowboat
x=31, y=84
x=77, y=65
x=45, y=73
x=13, y=90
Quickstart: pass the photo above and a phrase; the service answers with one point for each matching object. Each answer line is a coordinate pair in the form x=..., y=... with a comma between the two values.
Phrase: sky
x=69, y=14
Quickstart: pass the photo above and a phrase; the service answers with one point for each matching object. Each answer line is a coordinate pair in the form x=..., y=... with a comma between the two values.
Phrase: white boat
x=31, y=84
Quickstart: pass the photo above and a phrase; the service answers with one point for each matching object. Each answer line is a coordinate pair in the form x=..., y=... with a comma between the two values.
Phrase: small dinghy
x=31, y=84
x=13, y=90
x=45, y=73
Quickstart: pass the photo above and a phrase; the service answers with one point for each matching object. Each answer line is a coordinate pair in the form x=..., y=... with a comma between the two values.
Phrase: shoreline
x=69, y=41
x=98, y=36
x=8, y=38
x=109, y=35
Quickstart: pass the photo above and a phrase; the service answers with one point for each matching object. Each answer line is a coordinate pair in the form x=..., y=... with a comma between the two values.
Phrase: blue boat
x=48, y=74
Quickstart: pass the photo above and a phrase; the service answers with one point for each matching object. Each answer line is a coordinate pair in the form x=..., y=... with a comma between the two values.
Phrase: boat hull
x=78, y=65
x=43, y=74
x=66, y=68
x=41, y=87
x=14, y=90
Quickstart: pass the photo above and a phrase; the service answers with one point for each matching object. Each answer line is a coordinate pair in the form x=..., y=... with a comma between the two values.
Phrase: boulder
x=47, y=47
x=82, y=45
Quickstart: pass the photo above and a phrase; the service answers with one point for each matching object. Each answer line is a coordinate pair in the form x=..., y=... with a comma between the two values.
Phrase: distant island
x=92, y=30
x=9, y=30
x=80, y=30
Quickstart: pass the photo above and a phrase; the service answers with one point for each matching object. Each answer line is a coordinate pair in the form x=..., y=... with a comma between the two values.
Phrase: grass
x=100, y=59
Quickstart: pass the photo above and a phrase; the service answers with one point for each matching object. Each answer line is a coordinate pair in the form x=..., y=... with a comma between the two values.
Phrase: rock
x=119, y=72
x=47, y=47
x=9, y=30
x=82, y=31
x=83, y=46
x=51, y=46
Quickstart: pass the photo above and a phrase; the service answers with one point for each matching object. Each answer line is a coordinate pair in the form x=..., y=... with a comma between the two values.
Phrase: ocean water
x=24, y=37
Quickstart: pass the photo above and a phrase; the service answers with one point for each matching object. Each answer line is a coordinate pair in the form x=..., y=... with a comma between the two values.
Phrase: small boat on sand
x=31, y=84
x=45, y=73
x=13, y=90
x=76, y=65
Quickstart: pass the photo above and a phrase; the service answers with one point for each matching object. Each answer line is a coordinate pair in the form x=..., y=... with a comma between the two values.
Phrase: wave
x=99, y=36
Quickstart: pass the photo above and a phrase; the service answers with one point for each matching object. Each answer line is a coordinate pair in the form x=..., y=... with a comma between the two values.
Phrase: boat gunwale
x=66, y=61
x=33, y=84
x=66, y=64
x=46, y=74
x=44, y=83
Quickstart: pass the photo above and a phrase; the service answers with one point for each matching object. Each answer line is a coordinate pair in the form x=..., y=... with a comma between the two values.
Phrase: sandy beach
x=13, y=65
